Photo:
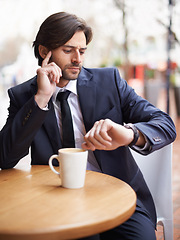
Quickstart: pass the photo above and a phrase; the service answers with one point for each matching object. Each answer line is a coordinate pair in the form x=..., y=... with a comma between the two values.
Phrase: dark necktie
x=67, y=125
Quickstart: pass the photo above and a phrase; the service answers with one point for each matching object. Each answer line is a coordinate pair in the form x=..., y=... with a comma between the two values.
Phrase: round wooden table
x=33, y=205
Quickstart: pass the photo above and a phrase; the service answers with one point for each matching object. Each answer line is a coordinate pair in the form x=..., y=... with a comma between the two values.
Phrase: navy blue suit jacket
x=102, y=94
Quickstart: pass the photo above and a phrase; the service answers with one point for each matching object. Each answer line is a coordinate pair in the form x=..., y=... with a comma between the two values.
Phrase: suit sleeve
x=155, y=124
x=18, y=133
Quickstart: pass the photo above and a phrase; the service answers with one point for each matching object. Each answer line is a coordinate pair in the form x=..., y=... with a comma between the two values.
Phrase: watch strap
x=136, y=133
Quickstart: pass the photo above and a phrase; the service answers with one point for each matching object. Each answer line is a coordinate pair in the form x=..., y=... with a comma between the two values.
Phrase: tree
x=120, y=4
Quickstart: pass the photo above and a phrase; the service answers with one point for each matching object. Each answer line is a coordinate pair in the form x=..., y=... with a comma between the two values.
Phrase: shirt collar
x=71, y=86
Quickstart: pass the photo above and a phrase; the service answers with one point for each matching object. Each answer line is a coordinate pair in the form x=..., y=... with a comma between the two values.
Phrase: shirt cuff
x=146, y=146
x=46, y=108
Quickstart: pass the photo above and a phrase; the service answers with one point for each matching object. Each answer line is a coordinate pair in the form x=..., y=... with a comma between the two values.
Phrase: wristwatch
x=136, y=133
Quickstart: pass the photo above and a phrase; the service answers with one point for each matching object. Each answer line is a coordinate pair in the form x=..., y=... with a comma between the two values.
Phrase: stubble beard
x=73, y=75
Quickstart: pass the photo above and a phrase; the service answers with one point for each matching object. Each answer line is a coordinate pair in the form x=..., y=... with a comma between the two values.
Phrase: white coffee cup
x=72, y=166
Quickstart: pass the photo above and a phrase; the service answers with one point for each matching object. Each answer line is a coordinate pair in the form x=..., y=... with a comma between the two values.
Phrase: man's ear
x=43, y=51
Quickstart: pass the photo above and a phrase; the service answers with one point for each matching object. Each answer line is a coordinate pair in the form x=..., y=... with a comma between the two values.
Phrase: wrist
x=135, y=133
x=42, y=101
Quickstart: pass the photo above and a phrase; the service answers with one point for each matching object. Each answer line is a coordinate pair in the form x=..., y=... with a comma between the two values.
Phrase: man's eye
x=67, y=51
x=82, y=52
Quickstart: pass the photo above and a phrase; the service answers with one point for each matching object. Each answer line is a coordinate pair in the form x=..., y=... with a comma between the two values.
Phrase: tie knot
x=63, y=95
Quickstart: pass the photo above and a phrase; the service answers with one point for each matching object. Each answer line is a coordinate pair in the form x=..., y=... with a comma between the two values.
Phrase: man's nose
x=76, y=57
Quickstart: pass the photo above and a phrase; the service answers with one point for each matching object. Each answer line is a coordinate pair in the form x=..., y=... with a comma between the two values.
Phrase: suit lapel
x=50, y=123
x=52, y=129
x=86, y=89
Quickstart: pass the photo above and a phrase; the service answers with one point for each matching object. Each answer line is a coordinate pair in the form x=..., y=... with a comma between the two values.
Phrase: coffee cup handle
x=51, y=165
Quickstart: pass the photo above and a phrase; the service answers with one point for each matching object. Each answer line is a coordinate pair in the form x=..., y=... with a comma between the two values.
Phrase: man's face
x=70, y=56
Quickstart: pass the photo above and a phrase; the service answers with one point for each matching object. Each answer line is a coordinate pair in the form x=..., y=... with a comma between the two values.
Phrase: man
x=107, y=116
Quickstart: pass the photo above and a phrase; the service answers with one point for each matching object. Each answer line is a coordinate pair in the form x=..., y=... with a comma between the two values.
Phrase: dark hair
x=57, y=29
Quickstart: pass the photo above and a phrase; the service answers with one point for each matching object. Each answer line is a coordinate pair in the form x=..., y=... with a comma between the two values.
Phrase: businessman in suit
x=108, y=117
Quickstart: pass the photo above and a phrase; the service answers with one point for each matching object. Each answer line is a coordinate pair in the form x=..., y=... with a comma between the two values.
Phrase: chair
x=157, y=170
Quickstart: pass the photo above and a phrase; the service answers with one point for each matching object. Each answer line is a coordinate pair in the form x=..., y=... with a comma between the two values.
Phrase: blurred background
x=141, y=38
